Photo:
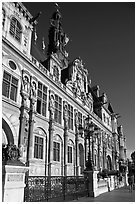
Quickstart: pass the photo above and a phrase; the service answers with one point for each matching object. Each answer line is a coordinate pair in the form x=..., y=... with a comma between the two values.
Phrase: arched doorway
x=109, y=163
x=7, y=135
x=81, y=158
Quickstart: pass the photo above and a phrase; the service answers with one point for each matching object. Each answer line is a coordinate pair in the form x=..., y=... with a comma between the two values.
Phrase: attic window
x=12, y=65
x=15, y=29
x=56, y=73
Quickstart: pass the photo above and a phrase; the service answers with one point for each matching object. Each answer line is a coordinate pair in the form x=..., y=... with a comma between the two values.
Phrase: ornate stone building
x=46, y=99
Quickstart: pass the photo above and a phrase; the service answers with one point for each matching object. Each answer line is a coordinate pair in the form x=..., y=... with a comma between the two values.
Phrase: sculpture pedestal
x=92, y=182
x=13, y=183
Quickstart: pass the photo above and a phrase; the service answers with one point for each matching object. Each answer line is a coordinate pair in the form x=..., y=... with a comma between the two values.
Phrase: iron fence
x=55, y=188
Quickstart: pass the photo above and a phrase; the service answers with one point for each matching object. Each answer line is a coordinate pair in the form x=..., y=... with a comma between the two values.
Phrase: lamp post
x=88, y=131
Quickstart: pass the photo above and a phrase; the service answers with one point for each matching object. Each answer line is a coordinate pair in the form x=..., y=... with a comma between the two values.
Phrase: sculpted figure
x=25, y=84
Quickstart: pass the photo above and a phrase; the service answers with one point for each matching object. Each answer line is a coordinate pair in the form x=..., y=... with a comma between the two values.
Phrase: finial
x=34, y=19
x=43, y=44
x=35, y=35
x=57, y=6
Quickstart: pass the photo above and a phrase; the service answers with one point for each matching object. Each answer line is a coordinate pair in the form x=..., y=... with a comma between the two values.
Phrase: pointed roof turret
x=57, y=37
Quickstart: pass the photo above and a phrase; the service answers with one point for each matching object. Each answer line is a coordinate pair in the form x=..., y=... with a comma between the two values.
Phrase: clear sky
x=103, y=35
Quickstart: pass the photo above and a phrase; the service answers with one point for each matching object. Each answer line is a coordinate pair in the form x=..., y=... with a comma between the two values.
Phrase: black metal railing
x=55, y=188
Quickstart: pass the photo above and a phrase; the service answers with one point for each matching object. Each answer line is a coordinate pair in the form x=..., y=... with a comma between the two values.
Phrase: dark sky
x=103, y=35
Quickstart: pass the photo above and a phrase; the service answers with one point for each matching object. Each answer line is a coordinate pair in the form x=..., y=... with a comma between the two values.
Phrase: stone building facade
x=46, y=99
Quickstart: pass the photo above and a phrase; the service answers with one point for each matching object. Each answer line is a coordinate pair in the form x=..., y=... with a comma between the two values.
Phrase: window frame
x=80, y=118
x=56, y=151
x=70, y=117
x=70, y=154
x=39, y=149
x=58, y=109
x=15, y=29
x=56, y=72
x=11, y=86
x=41, y=106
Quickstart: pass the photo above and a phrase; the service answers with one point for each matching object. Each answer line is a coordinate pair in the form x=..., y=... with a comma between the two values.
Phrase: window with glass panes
x=58, y=109
x=69, y=154
x=80, y=118
x=70, y=117
x=9, y=86
x=38, y=148
x=56, y=151
x=15, y=29
x=42, y=99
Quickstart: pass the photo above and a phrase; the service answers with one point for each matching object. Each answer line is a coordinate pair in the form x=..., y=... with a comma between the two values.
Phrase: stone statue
x=25, y=83
x=33, y=89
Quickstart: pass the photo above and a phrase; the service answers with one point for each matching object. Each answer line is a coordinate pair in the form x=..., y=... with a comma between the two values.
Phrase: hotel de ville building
x=50, y=110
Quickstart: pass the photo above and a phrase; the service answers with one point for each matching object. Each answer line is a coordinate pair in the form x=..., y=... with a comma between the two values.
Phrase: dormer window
x=56, y=73
x=15, y=29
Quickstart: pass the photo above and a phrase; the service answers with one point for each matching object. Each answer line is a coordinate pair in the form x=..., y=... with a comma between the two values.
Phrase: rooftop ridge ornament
x=35, y=35
x=34, y=19
x=43, y=44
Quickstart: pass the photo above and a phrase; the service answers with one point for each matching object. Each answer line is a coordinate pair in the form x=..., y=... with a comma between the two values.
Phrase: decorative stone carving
x=11, y=154
x=25, y=84
x=78, y=80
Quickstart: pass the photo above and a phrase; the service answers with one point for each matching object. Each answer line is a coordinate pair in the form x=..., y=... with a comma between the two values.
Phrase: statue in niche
x=66, y=115
x=25, y=84
x=33, y=89
x=51, y=102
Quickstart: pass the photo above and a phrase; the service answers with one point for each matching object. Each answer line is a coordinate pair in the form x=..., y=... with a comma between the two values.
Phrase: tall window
x=58, y=109
x=80, y=118
x=38, y=148
x=15, y=29
x=69, y=154
x=3, y=17
x=9, y=86
x=56, y=151
x=70, y=117
x=104, y=117
x=42, y=99
x=56, y=72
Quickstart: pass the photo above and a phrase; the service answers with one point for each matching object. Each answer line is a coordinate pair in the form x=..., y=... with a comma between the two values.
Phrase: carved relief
x=25, y=84
x=78, y=80
x=33, y=88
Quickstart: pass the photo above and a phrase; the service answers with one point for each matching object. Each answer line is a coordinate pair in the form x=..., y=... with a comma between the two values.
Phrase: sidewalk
x=117, y=195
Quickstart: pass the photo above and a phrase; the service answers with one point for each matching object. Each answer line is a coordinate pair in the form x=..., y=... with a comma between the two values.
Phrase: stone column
x=76, y=141
x=33, y=99
x=65, y=117
x=85, y=140
x=51, y=130
x=24, y=115
x=99, y=141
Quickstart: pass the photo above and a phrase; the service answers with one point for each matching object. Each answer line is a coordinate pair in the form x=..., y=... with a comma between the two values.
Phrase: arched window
x=39, y=143
x=15, y=29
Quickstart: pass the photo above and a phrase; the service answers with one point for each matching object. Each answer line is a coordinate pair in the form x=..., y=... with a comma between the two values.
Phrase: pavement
x=117, y=195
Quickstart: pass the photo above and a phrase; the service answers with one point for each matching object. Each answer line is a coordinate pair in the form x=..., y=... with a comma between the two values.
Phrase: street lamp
x=88, y=131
